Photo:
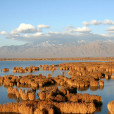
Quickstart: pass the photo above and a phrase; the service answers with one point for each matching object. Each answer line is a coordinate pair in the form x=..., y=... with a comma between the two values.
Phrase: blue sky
x=58, y=14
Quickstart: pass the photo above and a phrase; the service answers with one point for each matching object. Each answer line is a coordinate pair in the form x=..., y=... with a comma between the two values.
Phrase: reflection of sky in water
x=3, y=96
x=107, y=92
x=11, y=64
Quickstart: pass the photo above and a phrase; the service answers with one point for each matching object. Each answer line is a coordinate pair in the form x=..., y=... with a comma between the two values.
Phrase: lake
x=107, y=92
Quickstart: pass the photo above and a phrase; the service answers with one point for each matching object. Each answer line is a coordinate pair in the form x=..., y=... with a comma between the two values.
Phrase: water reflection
x=94, y=88
x=101, y=87
x=105, y=91
x=11, y=64
x=99, y=108
x=83, y=89
x=12, y=96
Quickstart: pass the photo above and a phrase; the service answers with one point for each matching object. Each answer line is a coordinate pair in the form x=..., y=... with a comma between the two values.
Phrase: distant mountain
x=47, y=49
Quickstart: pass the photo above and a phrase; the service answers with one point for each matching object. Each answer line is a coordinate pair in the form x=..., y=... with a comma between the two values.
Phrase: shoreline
x=56, y=59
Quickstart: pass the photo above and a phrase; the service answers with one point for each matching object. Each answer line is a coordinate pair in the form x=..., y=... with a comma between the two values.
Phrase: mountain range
x=49, y=50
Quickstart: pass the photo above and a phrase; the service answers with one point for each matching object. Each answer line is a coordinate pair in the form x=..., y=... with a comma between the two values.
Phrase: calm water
x=107, y=92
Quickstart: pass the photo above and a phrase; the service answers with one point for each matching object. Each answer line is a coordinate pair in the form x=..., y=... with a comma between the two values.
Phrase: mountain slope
x=92, y=49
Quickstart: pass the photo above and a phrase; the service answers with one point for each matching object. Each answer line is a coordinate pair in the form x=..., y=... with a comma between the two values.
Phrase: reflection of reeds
x=12, y=96
x=94, y=88
x=108, y=112
x=101, y=87
x=83, y=76
x=1, y=80
x=83, y=89
x=98, y=107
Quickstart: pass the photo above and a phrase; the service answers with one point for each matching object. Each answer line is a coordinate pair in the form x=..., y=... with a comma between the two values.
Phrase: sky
x=26, y=21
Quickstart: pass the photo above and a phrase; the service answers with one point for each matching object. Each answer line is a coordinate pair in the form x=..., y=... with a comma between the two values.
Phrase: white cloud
x=3, y=33
x=43, y=26
x=105, y=35
x=13, y=32
x=82, y=36
x=110, y=29
x=93, y=22
x=26, y=35
x=108, y=22
x=29, y=33
x=85, y=23
x=53, y=32
x=69, y=28
x=25, y=28
x=111, y=32
x=37, y=34
x=108, y=35
x=82, y=29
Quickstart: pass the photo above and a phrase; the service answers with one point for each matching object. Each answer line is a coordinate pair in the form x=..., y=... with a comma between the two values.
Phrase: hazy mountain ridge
x=91, y=49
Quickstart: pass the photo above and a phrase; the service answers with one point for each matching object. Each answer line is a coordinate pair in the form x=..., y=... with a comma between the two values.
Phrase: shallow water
x=11, y=64
x=107, y=92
